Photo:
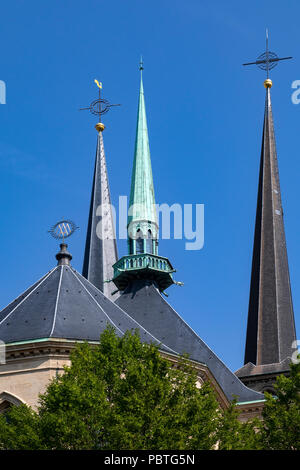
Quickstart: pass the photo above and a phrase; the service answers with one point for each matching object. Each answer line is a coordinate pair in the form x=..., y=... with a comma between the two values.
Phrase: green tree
x=235, y=435
x=122, y=394
x=19, y=429
x=280, y=428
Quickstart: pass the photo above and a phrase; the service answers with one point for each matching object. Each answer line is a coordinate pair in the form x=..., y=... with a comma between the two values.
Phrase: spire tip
x=141, y=64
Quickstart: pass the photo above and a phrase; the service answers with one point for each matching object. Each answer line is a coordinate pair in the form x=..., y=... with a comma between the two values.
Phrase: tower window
x=139, y=242
x=149, y=244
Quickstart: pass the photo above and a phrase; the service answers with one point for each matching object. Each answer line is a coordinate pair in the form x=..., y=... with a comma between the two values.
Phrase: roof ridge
x=57, y=299
x=96, y=300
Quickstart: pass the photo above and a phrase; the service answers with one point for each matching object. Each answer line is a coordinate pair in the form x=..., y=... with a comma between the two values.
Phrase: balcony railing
x=142, y=261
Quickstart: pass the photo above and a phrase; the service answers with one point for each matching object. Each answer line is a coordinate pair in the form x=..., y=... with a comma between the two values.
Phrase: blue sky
x=205, y=115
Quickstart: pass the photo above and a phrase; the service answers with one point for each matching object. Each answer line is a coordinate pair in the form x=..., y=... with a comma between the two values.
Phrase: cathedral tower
x=271, y=326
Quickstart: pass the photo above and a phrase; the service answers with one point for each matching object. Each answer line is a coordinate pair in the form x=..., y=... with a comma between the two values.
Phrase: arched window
x=139, y=242
x=7, y=400
x=5, y=406
x=149, y=244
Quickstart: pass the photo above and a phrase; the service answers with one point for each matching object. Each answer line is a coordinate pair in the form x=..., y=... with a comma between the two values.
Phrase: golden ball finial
x=100, y=127
x=268, y=83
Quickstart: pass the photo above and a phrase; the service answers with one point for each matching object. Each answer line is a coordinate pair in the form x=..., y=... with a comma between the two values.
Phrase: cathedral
x=41, y=326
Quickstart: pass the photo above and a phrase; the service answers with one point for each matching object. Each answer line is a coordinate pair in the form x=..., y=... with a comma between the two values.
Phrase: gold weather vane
x=99, y=107
x=99, y=85
x=267, y=61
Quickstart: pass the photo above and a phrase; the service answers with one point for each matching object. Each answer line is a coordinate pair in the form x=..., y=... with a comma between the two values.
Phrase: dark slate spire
x=271, y=326
x=100, y=248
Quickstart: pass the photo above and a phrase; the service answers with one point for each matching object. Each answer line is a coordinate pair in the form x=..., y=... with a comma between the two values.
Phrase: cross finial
x=99, y=107
x=268, y=60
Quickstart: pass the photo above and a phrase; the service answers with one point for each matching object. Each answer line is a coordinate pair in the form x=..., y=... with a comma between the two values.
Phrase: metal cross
x=99, y=106
x=268, y=60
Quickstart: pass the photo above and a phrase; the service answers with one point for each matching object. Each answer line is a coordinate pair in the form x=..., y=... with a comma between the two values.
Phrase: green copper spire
x=142, y=210
x=143, y=261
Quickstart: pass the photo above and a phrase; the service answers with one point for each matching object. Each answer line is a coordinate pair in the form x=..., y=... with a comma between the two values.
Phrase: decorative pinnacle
x=99, y=107
x=63, y=256
x=268, y=83
x=141, y=64
x=100, y=126
x=62, y=230
x=267, y=61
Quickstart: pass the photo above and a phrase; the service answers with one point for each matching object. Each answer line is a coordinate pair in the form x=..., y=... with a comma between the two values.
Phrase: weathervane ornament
x=267, y=61
x=99, y=107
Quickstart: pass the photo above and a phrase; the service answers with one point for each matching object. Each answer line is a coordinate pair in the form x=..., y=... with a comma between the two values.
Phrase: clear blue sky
x=205, y=114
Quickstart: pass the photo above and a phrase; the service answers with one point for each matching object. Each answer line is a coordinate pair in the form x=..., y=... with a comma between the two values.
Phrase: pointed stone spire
x=271, y=326
x=100, y=248
x=142, y=200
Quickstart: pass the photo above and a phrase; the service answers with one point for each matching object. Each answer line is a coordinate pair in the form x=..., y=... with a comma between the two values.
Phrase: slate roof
x=144, y=303
x=271, y=324
x=63, y=304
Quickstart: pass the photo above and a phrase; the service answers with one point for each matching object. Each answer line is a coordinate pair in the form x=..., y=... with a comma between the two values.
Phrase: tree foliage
x=280, y=428
x=236, y=435
x=122, y=394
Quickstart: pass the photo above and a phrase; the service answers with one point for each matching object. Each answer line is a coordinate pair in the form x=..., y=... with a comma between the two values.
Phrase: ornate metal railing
x=142, y=261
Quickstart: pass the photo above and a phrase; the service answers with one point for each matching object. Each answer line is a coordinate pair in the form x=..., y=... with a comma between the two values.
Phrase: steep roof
x=63, y=304
x=100, y=248
x=144, y=303
x=271, y=326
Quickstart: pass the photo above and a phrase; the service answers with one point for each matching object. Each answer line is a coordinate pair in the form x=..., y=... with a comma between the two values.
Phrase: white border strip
x=57, y=298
